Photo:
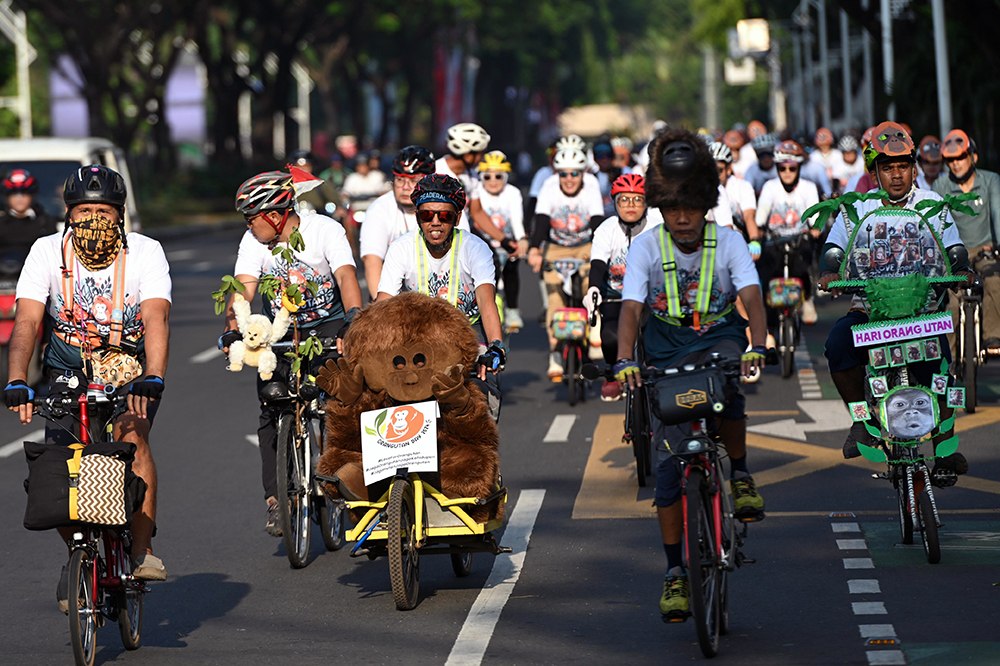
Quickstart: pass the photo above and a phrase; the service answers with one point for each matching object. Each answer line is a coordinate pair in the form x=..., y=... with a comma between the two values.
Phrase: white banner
x=396, y=437
x=902, y=329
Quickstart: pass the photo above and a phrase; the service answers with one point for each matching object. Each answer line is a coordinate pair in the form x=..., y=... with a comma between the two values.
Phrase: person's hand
x=227, y=339
x=753, y=359
x=342, y=333
x=509, y=246
x=592, y=300
x=535, y=259
x=815, y=233
x=493, y=360
x=449, y=389
x=627, y=373
x=141, y=393
x=18, y=396
x=754, y=247
x=825, y=280
x=522, y=248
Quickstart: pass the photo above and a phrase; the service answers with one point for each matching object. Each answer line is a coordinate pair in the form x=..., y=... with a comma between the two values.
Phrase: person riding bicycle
x=979, y=232
x=607, y=171
x=466, y=144
x=850, y=164
x=779, y=216
x=929, y=162
x=608, y=263
x=364, y=183
x=22, y=219
x=740, y=193
x=267, y=201
x=105, y=296
x=689, y=272
x=393, y=214
x=891, y=159
x=825, y=154
x=862, y=182
x=763, y=170
x=565, y=217
x=505, y=206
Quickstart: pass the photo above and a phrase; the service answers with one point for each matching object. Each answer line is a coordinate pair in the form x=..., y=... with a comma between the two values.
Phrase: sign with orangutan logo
x=397, y=437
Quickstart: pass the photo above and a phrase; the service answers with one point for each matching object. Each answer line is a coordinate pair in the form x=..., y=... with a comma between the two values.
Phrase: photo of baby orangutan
x=877, y=358
x=932, y=350
x=879, y=387
x=909, y=413
x=896, y=356
x=939, y=384
x=956, y=397
x=914, y=352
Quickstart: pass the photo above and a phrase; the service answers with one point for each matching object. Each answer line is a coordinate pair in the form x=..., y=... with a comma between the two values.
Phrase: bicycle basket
x=689, y=396
x=784, y=292
x=569, y=324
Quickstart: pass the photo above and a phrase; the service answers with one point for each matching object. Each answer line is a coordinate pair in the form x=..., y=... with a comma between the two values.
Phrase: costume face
x=909, y=414
x=96, y=237
x=406, y=372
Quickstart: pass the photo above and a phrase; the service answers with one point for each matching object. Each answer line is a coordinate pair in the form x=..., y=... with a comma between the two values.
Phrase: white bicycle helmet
x=720, y=152
x=570, y=159
x=571, y=142
x=467, y=138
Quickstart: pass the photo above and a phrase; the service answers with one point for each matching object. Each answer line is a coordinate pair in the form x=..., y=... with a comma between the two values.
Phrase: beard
x=439, y=247
x=96, y=241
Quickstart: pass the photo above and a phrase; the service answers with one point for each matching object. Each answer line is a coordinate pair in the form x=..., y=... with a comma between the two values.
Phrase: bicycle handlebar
x=288, y=344
x=732, y=368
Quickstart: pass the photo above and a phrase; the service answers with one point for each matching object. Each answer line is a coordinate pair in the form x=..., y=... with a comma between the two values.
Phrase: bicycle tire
x=293, y=495
x=82, y=621
x=569, y=373
x=404, y=558
x=703, y=569
x=787, y=344
x=461, y=564
x=640, y=436
x=905, y=518
x=331, y=523
x=928, y=528
x=970, y=346
x=129, y=604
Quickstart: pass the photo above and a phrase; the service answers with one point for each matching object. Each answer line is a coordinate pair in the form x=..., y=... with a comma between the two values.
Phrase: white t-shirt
x=475, y=268
x=838, y=233
x=538, y=180
x=326, y=250
x=741, y=197
x=747, y=156
x=611, y=246
x=845, y=172
x=468, y=179
x=147, y=275
x=590, y=184
x=830, y=161
x=570, y=216
x=370, y=185
x=506, y=211
x=780, y=212
x=722, y=214
x=385, y=221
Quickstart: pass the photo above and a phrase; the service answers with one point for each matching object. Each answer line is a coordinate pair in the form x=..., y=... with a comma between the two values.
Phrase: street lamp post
x=888, y=75
x=941, y=63
x=845, y=57
x=824, y=61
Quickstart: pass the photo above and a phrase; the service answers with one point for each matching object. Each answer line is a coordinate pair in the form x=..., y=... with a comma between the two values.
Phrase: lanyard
x=423, y=266
x=89, y=333
x=704, y=296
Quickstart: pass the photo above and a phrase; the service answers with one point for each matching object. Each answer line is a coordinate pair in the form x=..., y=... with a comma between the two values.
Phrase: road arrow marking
x=827, y=416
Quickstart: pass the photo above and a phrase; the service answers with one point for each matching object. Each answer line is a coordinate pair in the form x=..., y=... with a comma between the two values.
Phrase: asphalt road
x=592, y=572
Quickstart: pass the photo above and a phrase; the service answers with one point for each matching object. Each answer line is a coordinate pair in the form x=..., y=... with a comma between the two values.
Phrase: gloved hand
x=627, y=372
x=495, y=357
x=754, y=248
x=151, y=387
x=449, y=389
x=592, y=300
x=18, y=393
x=228, y=338
x=509, y=244
x=754, y=358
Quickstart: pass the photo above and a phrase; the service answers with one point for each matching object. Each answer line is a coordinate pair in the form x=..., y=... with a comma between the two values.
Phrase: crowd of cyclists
x=678, y=234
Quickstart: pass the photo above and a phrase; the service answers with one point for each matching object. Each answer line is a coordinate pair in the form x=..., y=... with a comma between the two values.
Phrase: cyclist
x=743, y=153
x=393, y=214
x=466, y=144
x=565, y=217
x=740, y=194
x=890, y=159
x=543, y=174
x=862, y=182
x=693, y=317
x=364, y=183
x=607, y=172
x=608, y=261
x=336, y=173
x=850, y=164
x=267, y=202
x=22, y=220
x=979, y=233
x=763, y=170
x=825, y=154
x=505, y=207
x=779, y=214
x=65, y=279
x=929, y=162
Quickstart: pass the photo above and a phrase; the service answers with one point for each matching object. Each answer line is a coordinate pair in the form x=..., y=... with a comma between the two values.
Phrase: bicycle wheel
x=639, y=434
x=787, y=344
x=970, y=347
x=293, y=490
x=569, y=373
x=905, y=518
x=404, y=559
x=83, y=609
x=703, y=570
x=128, y=602
x=331, y=523
x=461, y=564
x=928, y=528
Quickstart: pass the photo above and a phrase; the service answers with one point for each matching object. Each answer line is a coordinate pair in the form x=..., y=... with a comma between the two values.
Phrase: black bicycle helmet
x=439, y=187
x=413, y=161
x=20, y=180
x=95, y=184
x=271, y=190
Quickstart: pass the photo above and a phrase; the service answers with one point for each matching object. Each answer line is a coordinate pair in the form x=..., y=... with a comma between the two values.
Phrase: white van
x=52, y=160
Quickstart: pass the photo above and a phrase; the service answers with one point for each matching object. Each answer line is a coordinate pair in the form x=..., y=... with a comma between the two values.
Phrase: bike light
x=77, y=536
x=881, y=641
x=694, y=445
x=718, y=407
x=359, y=216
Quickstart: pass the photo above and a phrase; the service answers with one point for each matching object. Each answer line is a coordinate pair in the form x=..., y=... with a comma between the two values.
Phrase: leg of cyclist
x=129, y=428
x=847, y=369
x=769, y=266
x=512, y=290
x=989, y=269
x=267, y=440
x=609, y=346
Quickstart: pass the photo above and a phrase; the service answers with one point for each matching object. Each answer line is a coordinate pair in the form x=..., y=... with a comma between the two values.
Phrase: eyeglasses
x=446, y=216
x=486, y=177
x=637, y=200
x=569, y=174
x=793, y=169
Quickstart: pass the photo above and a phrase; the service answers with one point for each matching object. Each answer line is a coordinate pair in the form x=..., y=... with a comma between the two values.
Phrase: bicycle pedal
x=750, y=516
x=675, y=617
x=943, y=478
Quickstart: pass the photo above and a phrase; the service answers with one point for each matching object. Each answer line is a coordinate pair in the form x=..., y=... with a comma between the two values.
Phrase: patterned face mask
x=96, y=240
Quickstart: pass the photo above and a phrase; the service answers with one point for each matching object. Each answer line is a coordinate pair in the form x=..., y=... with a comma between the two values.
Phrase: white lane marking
x=808, y=383
x=181, y=255
x=474, y=638
x=845, y=527
x=7, y=450
x=858, y=563
x=207, y=355
x=852, y=544
x=886, y=658
x=826, y=415
x=253, y=440
x=559, y=430
x=869, y=608
x=877, y=630
x=863, y=586
x=201, y=266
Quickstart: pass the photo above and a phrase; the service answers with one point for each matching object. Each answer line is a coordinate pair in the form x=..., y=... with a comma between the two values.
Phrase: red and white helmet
x=789, y=151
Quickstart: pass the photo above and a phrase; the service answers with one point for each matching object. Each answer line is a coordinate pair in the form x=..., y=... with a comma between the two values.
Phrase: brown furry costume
x=413, y=348
x=681, y=175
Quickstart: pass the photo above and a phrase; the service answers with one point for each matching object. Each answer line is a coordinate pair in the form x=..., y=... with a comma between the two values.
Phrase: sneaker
x=610, y=391
x=858, y=433
x=273, y=526
x=514, y=321
x=555, y=367
x=747, y=502
x=62, y=590
x=148, y=567
x=674, y=603
x=809, y=315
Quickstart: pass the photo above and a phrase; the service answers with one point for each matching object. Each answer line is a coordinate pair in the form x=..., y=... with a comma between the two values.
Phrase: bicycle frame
x=710, y=463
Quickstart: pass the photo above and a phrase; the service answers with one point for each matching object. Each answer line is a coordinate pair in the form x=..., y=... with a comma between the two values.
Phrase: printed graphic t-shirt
x=569, y=216
x=611, y=246
x=385, y=221
x=780, y=212
x=506, y=210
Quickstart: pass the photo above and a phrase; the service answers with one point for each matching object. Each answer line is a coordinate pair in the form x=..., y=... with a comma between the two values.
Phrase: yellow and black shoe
x=674, y=603
x=748, y=505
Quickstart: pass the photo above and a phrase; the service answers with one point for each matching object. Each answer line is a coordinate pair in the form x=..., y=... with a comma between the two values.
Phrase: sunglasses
x=949, y=160
x=446, y=216
x=486, y=177
x=793, y=169
x=569, y=174
x=602, y=154
x=638, y=200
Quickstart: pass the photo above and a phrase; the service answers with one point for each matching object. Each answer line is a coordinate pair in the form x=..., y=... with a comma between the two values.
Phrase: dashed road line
x=886, y=658
x=806, y=373
x=858, y=563
x=846, y=527
x=181, y=255
x=869, y=608
x=852, y=544
x=7, y=450
x=207, y=355
x=863, y=586
x=877, y=630
x=559, y=430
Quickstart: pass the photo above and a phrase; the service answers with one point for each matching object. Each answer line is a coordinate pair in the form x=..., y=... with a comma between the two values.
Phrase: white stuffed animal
x=258, y=334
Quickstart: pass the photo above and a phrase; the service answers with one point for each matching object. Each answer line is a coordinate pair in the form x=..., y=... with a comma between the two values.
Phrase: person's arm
x=350, y=290
x=540, y=234
x=373, y=273
x=994, y=212
x=754, y=304
x=486, y=299
x=27, y=322
x=763, y=210
x=517, y=223
x=751, y=224
x=595, y=221
x=156, y=340
x=249, y=291
x=482, y=221
x=628, y=330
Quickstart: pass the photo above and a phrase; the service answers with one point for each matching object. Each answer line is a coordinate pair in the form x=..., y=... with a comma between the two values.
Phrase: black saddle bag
x=687, y=396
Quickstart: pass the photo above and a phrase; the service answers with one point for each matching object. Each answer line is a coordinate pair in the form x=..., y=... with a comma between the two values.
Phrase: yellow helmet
x=495, y=160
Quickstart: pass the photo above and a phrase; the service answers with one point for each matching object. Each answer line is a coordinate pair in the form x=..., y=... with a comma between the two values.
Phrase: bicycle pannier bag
x=688, y=396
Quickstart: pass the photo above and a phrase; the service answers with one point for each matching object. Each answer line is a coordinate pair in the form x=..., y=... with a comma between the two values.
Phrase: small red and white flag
x=303, y=181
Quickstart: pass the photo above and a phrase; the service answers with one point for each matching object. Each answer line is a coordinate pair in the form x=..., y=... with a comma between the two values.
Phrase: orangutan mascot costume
x=412, y=348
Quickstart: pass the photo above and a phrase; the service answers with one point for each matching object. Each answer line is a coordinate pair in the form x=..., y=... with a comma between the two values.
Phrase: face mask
x=96, y=240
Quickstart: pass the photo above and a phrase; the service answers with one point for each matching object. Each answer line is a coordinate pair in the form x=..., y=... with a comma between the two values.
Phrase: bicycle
x=969, y=350
x=569, y=327
x=784, y=294
x=100, y=561
x=300, y=441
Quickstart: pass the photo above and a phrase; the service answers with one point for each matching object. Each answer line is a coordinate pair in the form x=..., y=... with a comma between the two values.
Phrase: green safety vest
x=704, y=299
x=423, y=270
